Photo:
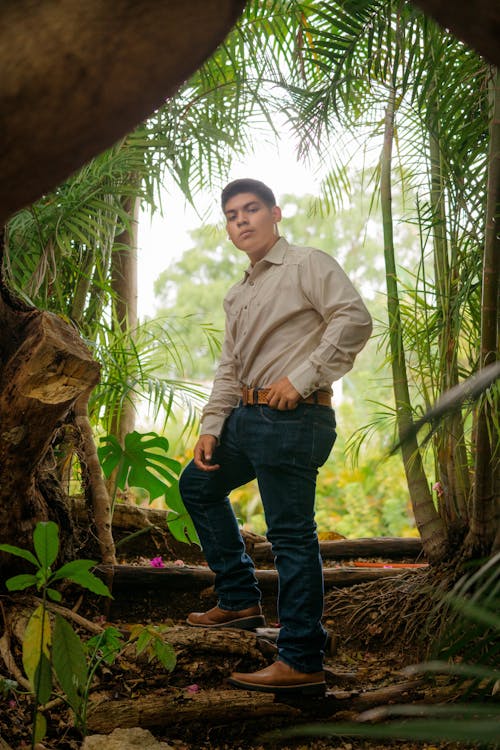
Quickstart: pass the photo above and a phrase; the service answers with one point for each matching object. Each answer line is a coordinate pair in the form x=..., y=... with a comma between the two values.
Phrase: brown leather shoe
x=280, y=678
x=244, y=619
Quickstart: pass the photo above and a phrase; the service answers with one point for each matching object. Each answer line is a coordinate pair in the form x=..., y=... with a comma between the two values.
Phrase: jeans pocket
x=323, y=439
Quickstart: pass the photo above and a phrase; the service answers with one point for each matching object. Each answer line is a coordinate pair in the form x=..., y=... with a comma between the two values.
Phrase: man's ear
x=276, y=213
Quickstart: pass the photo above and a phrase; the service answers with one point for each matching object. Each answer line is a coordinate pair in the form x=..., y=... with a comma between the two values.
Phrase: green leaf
x=70, y=664
x=37, y=637
x=109, y=453
x=143, y=462
x=165, y=654
x=43, y=679
x=466, y=730
x=54, y=595
x=78, y=572
x=26, y=554
x=39, y=727
x=182, y=528
x=46, y=542
x=108, y=644
x=20, y=582
x=143, y=641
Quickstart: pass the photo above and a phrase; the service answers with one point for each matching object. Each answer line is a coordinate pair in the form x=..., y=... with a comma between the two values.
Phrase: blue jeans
x=284, y=450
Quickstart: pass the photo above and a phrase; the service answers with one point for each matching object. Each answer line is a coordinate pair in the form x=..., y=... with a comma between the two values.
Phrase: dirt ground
x=352, y=671
x=194, y=708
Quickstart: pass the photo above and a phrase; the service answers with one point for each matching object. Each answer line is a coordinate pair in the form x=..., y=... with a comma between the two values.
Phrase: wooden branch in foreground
x=176, y=706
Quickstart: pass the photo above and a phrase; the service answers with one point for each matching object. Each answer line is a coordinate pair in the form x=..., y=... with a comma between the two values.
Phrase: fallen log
x=130, y=518
x=174, y=707
x=227, y=641
x=187, y=578
x=175, y=590
x=389, y=548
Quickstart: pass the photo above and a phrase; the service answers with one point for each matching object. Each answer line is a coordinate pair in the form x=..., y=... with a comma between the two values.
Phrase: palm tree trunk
x=451, y=449
x=430, y=525
x=124, y=287
x=484, y=521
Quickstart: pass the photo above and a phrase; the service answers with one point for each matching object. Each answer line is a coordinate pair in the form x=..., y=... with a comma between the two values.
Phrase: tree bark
x=124, y=297
x=485, y=521
x=450, y=438
x=430, y=525
x=76, y=77
x=477, y=23
x=214, y=706
x=45, y=367
x=101, y=502
x=179, y=707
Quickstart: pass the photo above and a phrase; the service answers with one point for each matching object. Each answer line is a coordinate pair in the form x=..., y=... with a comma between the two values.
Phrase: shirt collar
x=275, y=255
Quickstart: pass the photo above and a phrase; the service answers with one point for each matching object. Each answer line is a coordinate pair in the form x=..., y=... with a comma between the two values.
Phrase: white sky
x=164, y=239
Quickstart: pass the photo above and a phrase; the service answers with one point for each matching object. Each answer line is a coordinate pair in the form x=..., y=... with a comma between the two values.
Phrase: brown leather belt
x=256, y=396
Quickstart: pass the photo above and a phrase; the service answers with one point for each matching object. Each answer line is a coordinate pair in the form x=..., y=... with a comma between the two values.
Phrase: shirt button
x=252, y=283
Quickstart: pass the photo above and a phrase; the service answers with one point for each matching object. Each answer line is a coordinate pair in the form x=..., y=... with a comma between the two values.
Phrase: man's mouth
x=245, y=233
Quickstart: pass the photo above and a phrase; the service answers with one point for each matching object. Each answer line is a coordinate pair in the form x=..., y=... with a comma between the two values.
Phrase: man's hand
x=203, y=452
x=282, y=395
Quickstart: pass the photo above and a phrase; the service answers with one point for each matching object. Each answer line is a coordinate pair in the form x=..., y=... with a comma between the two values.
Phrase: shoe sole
x=243, y=623
x=316, y=688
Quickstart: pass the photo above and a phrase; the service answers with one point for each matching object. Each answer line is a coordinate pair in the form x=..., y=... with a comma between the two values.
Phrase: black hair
x=247, y=185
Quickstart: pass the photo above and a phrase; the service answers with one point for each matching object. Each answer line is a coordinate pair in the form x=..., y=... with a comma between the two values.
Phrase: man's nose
x=241, y=220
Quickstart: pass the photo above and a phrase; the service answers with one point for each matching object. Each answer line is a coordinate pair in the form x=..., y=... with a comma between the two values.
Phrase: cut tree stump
x=44, y=367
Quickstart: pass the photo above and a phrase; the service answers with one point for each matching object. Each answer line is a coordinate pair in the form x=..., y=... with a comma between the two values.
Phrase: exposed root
x=393, y=610
x=10, y=664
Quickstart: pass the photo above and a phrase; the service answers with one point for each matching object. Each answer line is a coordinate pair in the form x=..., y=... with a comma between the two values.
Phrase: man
x=294, y=324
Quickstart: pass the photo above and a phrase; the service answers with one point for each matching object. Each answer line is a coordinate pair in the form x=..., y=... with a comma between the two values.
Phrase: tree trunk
x=76, y=77
x=428, y=522
x=451, y=450
x=477, y=23
x=484, y=522
x=124, y=288
x=44, y=368
x=124, y=297
x=101, y=503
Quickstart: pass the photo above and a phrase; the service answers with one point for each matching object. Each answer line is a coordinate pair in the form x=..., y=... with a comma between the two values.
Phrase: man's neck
x=258, y=255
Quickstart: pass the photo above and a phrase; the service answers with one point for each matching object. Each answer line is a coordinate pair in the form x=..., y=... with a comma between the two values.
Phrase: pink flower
x=193, y=688
x=179, y=563
x=157, y=562
x=438, y=489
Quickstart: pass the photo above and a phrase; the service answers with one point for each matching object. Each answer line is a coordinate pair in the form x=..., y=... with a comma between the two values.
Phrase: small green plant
x=150, y=640
x=59, y=649
x=143, y=462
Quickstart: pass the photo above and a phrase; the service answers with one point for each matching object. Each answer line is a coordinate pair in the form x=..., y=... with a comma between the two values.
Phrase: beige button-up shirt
x=295, y=314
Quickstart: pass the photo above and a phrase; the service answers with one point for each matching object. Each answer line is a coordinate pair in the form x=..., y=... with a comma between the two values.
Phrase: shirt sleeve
x=226, y=391
x=348, y=323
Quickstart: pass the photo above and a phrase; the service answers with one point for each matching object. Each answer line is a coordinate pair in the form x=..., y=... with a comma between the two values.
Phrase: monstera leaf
x=143, y=462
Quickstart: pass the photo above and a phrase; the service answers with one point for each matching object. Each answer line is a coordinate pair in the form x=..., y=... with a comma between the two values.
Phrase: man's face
x=251, y=224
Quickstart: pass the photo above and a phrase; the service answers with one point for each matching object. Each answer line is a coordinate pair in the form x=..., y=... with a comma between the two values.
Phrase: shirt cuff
x=212, y=425
x=305, y=379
